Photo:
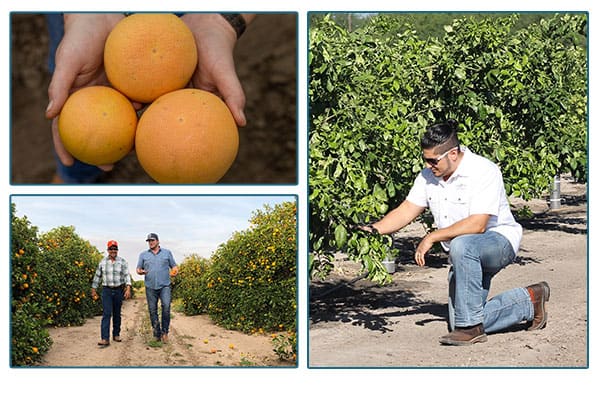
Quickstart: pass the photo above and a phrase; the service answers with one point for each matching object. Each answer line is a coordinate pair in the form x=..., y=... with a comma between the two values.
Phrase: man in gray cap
x=157, y=265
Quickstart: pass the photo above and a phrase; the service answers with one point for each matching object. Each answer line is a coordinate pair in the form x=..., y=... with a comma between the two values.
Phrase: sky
x=185, y=224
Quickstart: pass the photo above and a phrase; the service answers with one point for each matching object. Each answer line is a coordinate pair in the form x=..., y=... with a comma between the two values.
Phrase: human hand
x=79, y=63
x=174, y=271
x=215, y=41
x=369, y=228
x=140, y=271
x=127, y=292
x=422, y=249
x=94, y=294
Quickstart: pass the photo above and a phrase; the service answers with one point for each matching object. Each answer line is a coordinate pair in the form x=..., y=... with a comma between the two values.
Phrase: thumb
x=233, y=95
x=237, y=110
x=228, y=86
x=58, y=90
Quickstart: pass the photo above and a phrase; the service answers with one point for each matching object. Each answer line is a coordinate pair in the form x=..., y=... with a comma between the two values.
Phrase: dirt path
x=193, y=341
x=399, y=325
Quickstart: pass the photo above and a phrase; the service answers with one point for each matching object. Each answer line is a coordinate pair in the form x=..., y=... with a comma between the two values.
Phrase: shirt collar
x=463, y=167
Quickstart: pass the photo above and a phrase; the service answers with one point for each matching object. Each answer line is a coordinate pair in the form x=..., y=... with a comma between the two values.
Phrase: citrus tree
x=30, y=339
x=253, y=274
x=520, y=96
x=249, y=283
x=68, y=264
x=190, y=284
x=51, y=275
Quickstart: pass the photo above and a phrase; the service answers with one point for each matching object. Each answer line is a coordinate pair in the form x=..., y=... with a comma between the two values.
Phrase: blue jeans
x=475, y=260
x=152, y=296
x=112, y=300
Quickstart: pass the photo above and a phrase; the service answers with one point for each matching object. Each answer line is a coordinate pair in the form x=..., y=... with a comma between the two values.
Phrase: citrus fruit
x=148, y=55
x=97, y=125
x=187, y=136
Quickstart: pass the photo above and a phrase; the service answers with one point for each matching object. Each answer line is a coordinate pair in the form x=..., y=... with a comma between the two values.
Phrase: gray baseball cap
x=152, y=236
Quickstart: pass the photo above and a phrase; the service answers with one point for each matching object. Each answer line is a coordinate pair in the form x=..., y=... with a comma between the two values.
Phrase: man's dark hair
x=443, y=133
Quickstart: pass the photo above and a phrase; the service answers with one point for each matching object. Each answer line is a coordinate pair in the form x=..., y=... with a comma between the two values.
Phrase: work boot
x=465, y=336
x=117, y=338
x=539, y=294
x=103, y=343
x=165, y=338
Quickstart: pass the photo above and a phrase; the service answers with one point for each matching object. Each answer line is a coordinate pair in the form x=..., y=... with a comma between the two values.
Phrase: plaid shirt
x=112, y=273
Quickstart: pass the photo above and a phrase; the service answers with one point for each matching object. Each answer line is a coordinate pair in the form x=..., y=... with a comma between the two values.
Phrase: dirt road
x=193, y=341
x=399, y=325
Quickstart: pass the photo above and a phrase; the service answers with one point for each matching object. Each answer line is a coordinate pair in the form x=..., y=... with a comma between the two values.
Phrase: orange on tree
x=148, y=55
x=187, y=136
x=97, y=125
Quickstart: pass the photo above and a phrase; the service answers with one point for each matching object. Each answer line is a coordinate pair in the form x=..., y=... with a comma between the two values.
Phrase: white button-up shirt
x=475, y=187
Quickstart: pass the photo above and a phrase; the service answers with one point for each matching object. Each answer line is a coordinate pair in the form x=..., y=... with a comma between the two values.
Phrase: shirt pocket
x=458, y=203
x=435, y=204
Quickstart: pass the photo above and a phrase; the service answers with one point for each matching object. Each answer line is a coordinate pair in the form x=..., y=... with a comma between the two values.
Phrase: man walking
x=113, y=273
x=157, y=265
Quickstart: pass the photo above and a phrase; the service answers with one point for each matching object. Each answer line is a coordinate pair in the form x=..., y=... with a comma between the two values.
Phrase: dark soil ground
x=266, y=60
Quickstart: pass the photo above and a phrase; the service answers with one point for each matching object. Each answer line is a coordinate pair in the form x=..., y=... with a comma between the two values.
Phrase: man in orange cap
x=113, y=273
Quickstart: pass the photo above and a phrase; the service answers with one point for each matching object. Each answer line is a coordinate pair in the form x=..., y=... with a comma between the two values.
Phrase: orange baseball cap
x=112, y=243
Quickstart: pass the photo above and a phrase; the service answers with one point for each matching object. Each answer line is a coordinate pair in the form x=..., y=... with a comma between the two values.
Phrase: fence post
x=555, y=194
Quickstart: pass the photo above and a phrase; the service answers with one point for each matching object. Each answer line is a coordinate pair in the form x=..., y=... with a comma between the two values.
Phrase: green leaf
x=341, y=236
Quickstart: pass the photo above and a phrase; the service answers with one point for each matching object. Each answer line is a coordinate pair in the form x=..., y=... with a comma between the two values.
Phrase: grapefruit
x=187, y=136
x=97, y=125
x=148, y=55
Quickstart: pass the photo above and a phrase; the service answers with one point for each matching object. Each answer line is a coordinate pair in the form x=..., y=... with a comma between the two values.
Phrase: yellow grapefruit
x=187, y=136
x=97, y=125
x=148, y=55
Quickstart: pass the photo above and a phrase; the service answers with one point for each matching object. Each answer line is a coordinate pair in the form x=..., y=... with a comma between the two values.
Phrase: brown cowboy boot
x=540, y=294
x=465, y=336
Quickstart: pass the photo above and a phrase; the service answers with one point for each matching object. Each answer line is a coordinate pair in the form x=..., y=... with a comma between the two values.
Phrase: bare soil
x=194, y=341
x=398, y=325
x=266, y=62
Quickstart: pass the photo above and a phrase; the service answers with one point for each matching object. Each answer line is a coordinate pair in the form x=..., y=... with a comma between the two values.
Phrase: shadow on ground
x=357, y=304
x=360, y=302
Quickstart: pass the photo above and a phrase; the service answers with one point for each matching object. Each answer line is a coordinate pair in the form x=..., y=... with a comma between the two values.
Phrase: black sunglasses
x=435, y=161
x=113, y=248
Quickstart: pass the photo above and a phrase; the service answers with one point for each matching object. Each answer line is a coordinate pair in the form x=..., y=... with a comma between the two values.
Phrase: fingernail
x=49, y=106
